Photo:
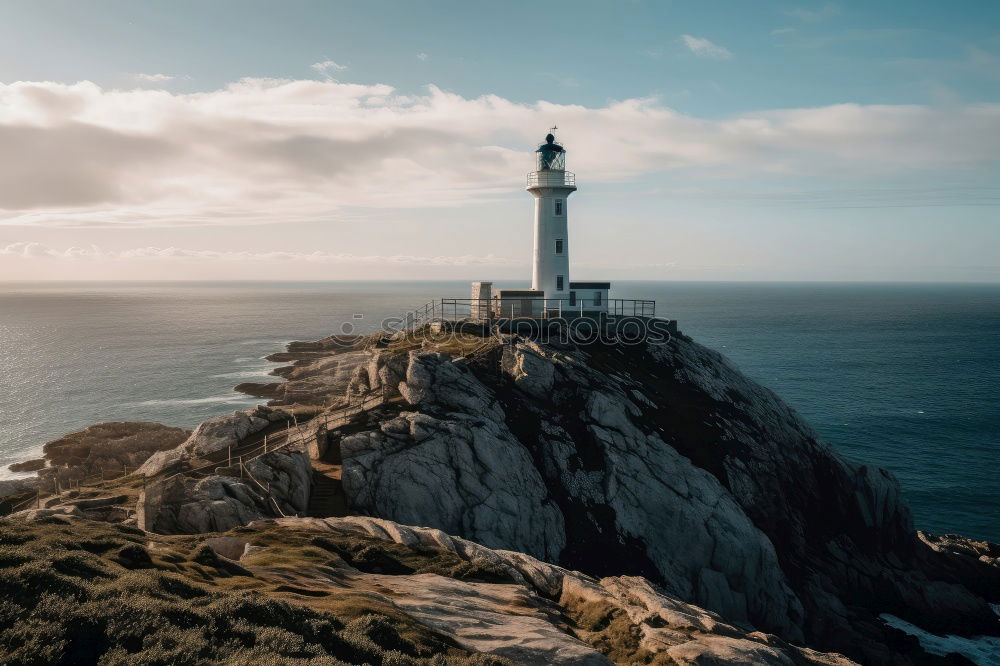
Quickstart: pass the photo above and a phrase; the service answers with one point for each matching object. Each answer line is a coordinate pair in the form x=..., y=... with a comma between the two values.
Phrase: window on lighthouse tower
x=559, y=246
x=558, y=206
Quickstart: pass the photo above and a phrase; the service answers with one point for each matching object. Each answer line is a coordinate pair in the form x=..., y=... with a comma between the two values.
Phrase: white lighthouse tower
x=551, y=186
x=551, y=293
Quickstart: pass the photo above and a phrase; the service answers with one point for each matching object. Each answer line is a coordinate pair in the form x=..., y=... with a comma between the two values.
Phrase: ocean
x=903, y=376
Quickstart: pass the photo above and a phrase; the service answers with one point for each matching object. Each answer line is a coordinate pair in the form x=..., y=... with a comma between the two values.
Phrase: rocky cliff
x=653, y=504
x=661, y=461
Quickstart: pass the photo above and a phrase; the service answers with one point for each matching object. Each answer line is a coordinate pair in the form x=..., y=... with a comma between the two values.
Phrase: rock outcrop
x=661, y=461
x=275, y=484
x=216, y=434
x=320, y=374
x=621, y=620
x=486, y=486
x=32, y=465
x=97, y=506
x=103, y=449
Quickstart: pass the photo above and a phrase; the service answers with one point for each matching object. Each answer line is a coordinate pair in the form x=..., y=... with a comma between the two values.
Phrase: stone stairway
x=327, y=498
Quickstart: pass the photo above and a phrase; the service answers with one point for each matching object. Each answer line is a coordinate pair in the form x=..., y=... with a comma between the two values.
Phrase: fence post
x=229, y=457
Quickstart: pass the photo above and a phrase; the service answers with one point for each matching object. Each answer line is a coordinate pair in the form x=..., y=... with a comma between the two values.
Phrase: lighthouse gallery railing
x=551, y=178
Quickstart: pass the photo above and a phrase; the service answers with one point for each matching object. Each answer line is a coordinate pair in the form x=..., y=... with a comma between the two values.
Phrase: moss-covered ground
x=84, y=592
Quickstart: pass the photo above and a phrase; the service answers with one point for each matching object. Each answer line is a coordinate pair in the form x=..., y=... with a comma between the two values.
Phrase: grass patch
x=447, y=342
x=611, y=631
x=85, y=592
x=298, y=549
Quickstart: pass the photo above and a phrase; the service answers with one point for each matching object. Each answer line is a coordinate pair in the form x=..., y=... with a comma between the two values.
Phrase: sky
x=390, y=140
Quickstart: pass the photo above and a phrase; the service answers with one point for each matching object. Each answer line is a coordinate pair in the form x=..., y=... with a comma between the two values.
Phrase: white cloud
x=327, y=66
x=264, y=151
x=154, y=78
x=34, y=250
x=422, y=56
x=705, y=49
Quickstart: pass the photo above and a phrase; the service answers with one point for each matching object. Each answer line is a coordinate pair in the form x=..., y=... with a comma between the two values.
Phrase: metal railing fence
x=455, y=309
x=551, y=178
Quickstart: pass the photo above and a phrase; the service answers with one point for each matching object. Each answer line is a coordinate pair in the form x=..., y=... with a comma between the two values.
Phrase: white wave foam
x=981, y=650
x=235, y=399
x=7, y=475
x=247, y=374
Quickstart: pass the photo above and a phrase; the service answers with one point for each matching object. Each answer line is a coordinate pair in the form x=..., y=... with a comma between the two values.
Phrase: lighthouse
x=551, y=294
x=551, y=186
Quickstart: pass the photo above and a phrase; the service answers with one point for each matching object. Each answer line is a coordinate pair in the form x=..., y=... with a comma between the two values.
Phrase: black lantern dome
x=550, y=155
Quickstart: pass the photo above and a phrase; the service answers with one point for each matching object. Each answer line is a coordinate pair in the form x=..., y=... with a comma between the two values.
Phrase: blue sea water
x=904, y=376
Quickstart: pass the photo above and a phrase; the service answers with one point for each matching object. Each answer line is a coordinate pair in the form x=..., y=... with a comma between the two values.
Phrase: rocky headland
x=505, y=498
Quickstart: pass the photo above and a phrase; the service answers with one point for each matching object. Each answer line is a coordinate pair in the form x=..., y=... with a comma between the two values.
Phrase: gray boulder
x=454, y=465
x=279, y=486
